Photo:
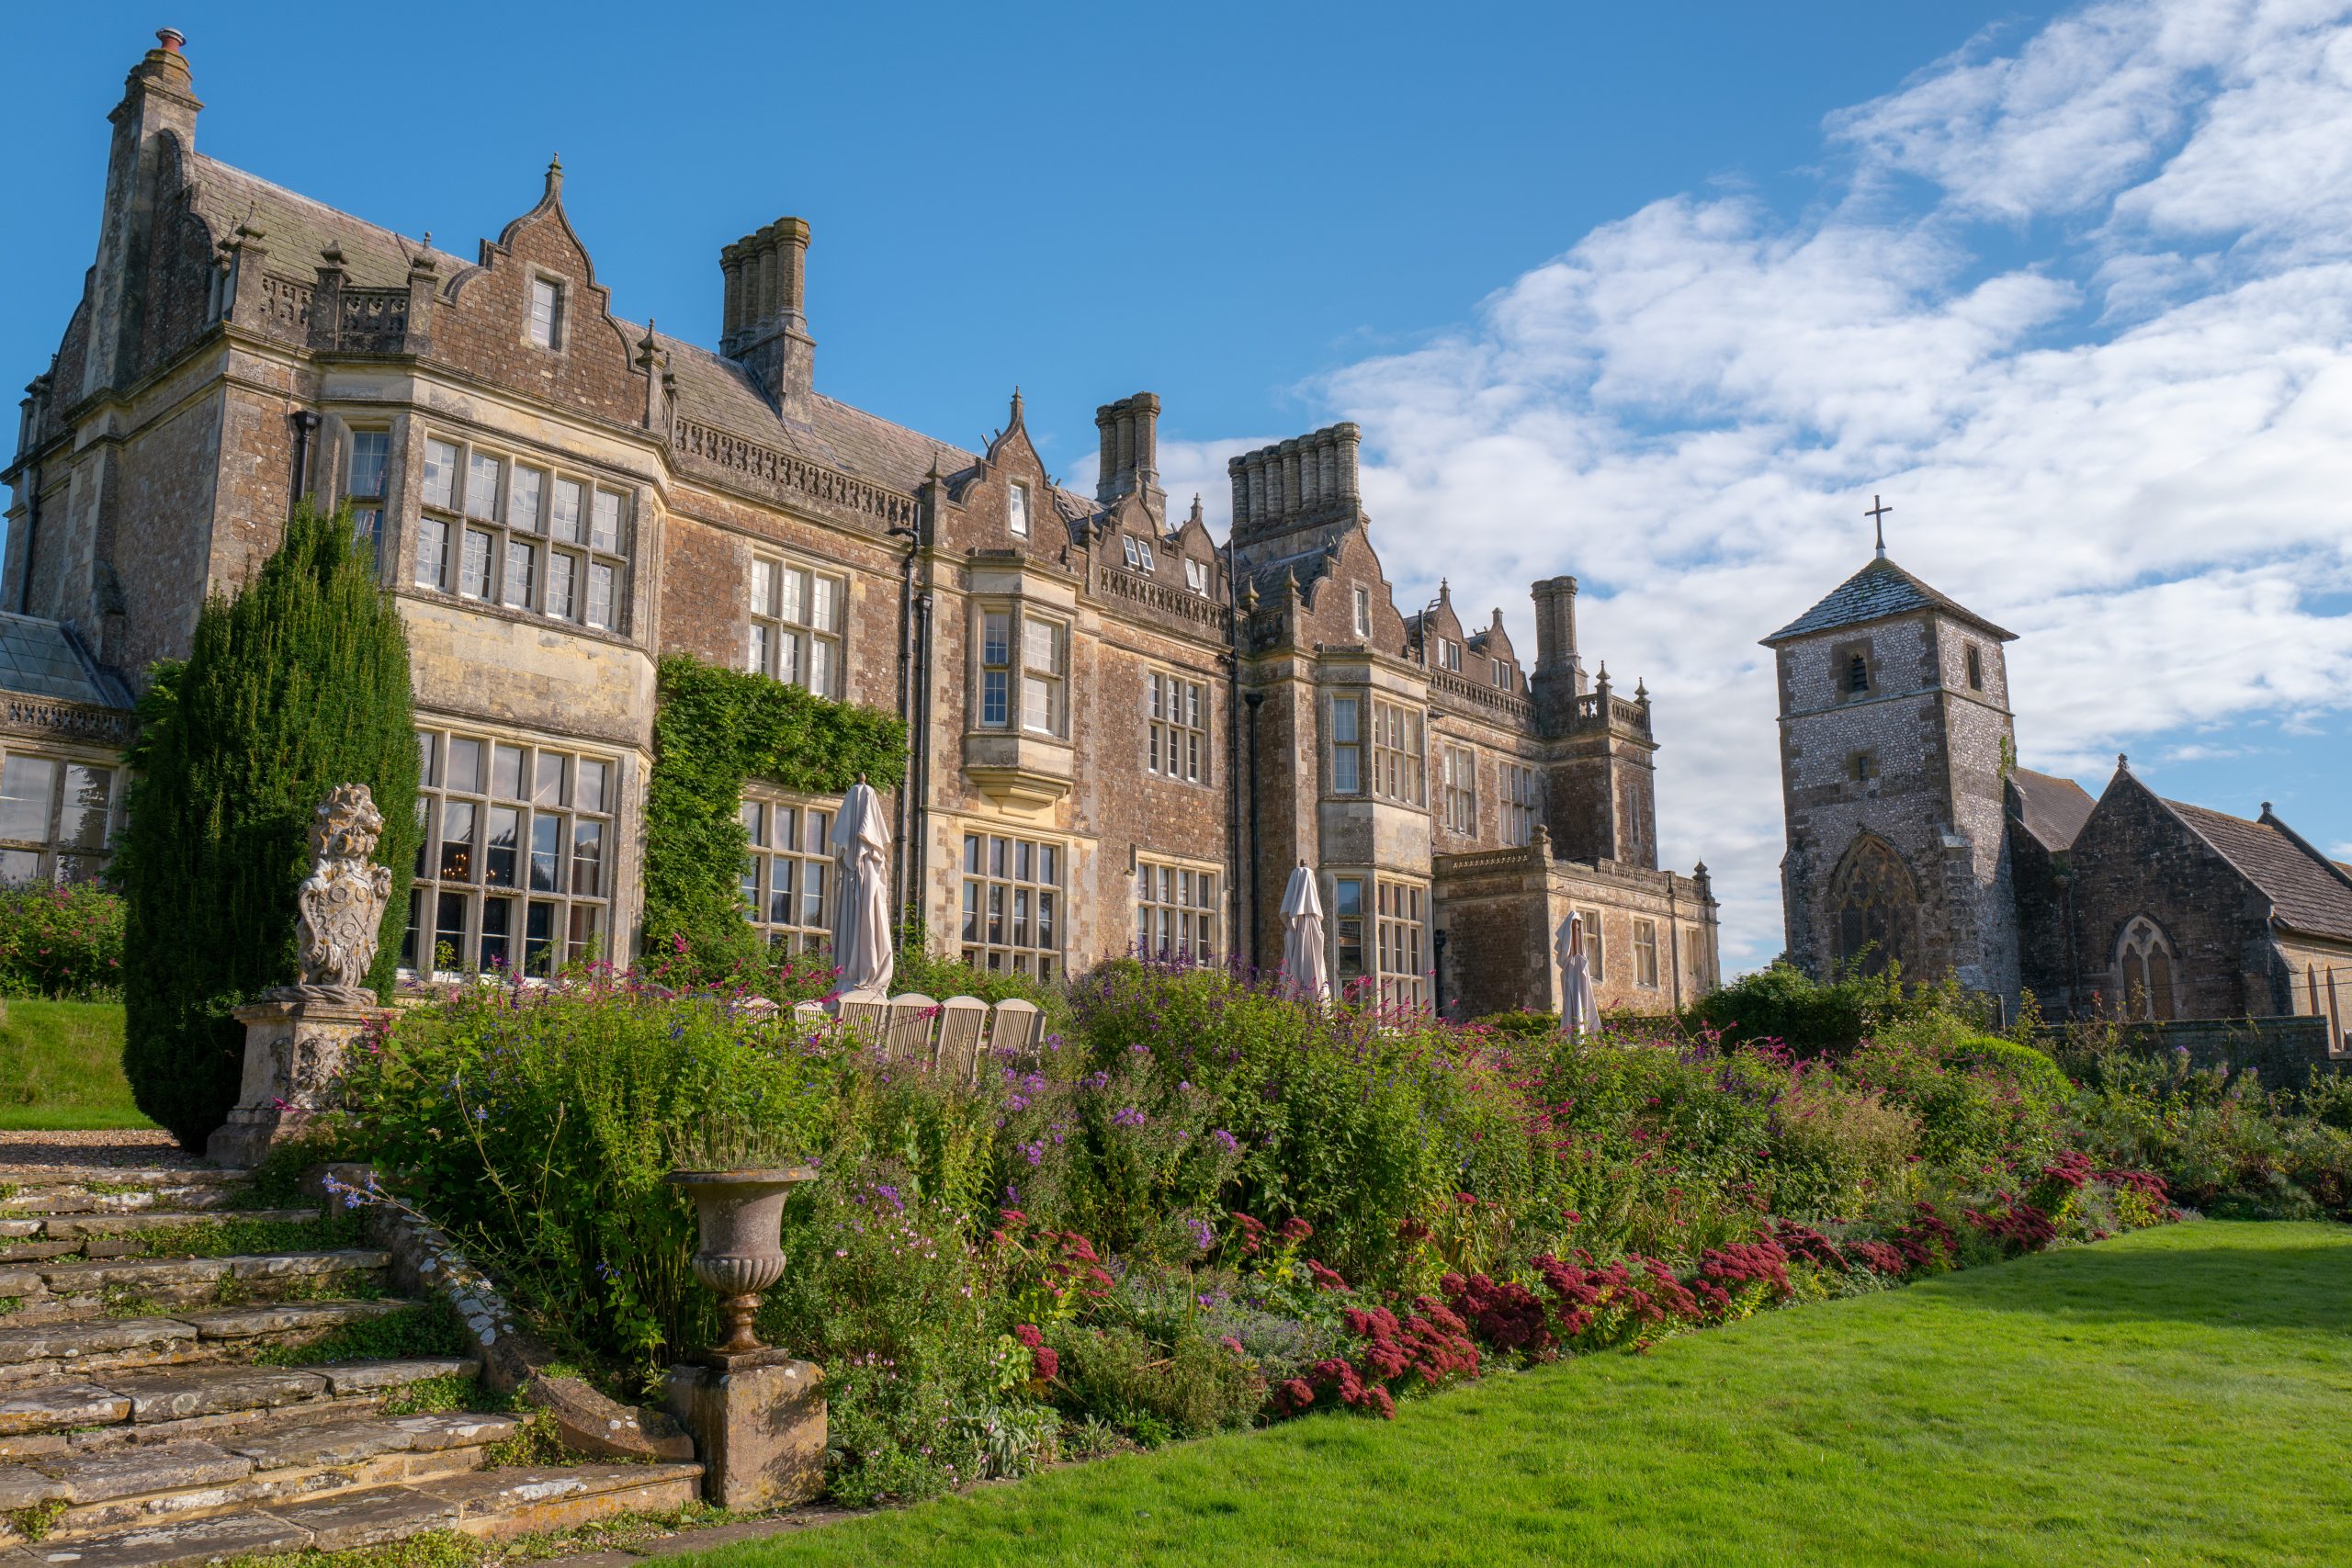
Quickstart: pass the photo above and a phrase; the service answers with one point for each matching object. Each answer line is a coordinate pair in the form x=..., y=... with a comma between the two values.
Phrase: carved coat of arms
x=340, y=905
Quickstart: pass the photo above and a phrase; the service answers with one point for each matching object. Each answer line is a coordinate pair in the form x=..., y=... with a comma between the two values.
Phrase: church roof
x=1879, y=590
x=2307, y=891
x=2052, y=809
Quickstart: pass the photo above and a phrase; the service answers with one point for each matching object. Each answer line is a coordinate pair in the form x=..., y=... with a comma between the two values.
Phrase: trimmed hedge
x=298, y=684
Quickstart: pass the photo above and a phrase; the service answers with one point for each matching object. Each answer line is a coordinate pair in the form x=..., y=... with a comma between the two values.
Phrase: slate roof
x=712, y=390
x=2307, y=892
x=2052, y=809
x=42, y=658
x=1879, y=590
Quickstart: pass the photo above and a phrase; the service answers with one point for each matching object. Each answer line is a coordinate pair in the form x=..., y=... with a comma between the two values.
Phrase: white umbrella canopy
x=1304, y=970
x=1579, y=1009
x=862, y=948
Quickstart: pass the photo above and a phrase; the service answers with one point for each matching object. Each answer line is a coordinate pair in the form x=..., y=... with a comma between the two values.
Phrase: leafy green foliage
x=1813, y=1017
x=297, y=684
x=63, y=943
x=714, y=729
x=1118, y=1376
x=424, y=1328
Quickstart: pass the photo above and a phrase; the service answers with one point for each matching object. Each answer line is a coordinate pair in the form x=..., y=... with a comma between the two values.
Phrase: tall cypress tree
x=297, y=684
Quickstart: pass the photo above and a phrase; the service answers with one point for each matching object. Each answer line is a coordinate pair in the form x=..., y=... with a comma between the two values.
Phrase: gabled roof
x=1880, y=589
x=2050, y=808
x=42, y=658
x=2307, y=891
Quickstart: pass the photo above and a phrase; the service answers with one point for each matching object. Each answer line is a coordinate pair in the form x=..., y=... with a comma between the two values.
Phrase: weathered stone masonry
x=1124, y=732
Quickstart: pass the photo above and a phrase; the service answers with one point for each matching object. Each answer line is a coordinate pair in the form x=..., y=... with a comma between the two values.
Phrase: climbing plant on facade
x=714, y=731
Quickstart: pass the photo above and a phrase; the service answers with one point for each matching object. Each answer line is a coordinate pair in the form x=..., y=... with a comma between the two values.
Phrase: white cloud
x=2117, y=420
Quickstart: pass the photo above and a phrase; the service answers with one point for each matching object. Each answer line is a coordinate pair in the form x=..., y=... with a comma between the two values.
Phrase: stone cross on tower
x=1877, y=515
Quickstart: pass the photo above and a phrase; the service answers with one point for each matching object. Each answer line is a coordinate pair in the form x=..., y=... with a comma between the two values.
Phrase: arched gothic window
x=1878, y=907
x=2143, y=970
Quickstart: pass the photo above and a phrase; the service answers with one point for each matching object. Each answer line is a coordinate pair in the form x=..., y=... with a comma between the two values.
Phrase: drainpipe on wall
x=1233, y=768
x=919, y=851
x=906, y=711
x=305, y=424
x=1255, y=700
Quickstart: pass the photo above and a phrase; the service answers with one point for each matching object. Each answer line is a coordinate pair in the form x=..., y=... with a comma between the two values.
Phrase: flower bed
x=1207, y=1206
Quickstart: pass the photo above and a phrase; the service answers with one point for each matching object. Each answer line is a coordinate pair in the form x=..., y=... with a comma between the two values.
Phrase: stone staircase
x=167, y=1399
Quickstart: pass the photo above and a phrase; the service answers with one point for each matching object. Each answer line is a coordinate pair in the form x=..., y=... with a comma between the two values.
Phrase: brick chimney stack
x=1557, y=679
x=765, y=323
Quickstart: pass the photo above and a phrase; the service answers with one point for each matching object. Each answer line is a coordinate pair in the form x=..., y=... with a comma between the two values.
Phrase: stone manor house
x=1913, y=835
x=1123, y=733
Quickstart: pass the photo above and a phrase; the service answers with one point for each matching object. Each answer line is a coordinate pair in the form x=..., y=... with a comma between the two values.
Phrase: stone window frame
x=453, y=512
x=1401, y=940
x=1196, y=575
x=580, y=925
x=1458, y=785
x=1363, y=612
x=367, y=505
x=1345, y=753
x=1136, y=551
x=1646, y=953
x=2147, y=971
x=1695, y=959
x=1016, y=509
x=1862, y=770
x=1523, y=803
x=790, y=836
x=67, y=849
x=1596, y=946
x=1013, y=913
x=1841, y=662
x=559, y=289
x=772, y=624
x=1177, y=910
x=1014, y=672
x=1497, y=674
x=1397, y=750
x=1972, y=666
x=1350, y=908
x=1176, y=728
x=1449, y=655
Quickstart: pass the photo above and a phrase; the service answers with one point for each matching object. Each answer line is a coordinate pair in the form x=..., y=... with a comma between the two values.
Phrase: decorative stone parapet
x=294, y=1052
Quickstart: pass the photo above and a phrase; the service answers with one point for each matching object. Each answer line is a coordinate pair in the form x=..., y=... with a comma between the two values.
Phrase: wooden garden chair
x=962, y=1022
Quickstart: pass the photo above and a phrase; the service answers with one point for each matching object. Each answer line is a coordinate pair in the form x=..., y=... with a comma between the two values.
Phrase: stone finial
x=647, y=349
x=339, y=908
x=1196, y=508
x=2122, y=762
x=332, y=254
x=555, y=178
x=1641, y=689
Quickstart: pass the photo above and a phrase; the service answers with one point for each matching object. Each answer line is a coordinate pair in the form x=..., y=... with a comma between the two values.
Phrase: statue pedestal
x=759, y=1428
x=294, y=1050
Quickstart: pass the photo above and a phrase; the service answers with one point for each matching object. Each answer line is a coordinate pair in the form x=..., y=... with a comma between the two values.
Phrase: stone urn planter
x=740, y=1214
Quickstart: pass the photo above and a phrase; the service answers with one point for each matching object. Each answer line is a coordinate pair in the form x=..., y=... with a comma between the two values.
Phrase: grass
x=2155, y=1399
x=61, y=1067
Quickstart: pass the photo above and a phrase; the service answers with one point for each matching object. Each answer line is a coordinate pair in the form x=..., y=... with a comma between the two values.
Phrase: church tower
x=1896, y=736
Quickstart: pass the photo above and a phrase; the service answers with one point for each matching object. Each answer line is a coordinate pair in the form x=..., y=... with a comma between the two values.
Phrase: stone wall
x=2282, y=1051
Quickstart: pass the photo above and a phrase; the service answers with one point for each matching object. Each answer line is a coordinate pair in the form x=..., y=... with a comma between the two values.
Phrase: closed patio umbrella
x=1303, y=970
x=1579, y=1010
x=862, y=949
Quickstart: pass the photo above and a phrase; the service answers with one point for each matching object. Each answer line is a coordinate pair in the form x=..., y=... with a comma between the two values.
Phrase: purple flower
x=1204, y=1237
x=1127, y=1116
x=1225, y=1141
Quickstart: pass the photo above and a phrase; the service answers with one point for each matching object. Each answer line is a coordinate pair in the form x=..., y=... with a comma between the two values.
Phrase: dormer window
x=1016, y=511
x=1976, y=668
x=1858, y=674
x=1449, y=654
x=1363, y=612
x=1500, y=673
x=1196, y=575
x=1138, y=552
x=546, y=312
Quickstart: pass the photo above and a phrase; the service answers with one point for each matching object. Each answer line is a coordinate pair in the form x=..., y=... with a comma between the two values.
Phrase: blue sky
x=1660, y=294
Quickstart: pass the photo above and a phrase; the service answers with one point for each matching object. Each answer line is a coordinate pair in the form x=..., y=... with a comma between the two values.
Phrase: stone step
x=107, y=1197
x=145, y=1484
x=83, y=1408
x=491, y=1505
x=78, y=1346
x=19, y=1173
x=46, y=1289
x=36, y=1238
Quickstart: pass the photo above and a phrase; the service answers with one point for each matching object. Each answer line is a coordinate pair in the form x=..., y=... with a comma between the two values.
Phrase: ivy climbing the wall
x=713, y=730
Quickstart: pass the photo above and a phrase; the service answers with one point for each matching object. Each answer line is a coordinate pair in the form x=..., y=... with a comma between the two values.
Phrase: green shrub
x=61, y=943
x=1813, y=1017
x=533, y=1125
x=1838, y=1148
x=1191, y=1389
x=298, y=684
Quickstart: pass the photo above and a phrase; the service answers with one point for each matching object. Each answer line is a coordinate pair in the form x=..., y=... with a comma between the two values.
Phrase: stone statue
x=340, y=905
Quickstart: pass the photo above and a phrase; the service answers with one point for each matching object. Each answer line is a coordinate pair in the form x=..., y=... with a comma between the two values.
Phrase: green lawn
x=61, y=1067
x=2183, y=1395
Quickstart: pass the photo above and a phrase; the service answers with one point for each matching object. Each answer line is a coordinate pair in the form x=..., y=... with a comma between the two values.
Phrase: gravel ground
x=112, y=1149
